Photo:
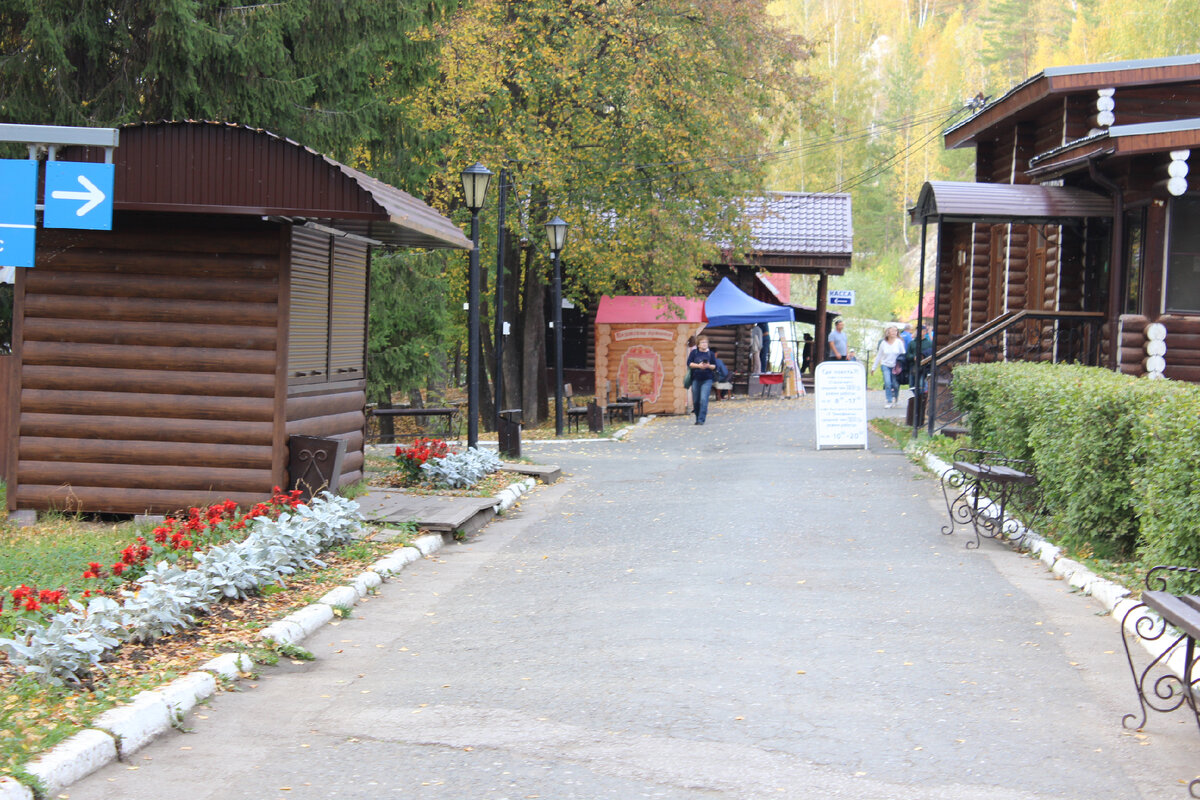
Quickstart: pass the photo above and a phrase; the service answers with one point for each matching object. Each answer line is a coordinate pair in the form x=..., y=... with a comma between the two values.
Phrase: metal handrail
x=1083, y=349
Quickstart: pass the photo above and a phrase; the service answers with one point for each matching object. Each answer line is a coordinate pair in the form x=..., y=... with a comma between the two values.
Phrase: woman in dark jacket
x=703, y=365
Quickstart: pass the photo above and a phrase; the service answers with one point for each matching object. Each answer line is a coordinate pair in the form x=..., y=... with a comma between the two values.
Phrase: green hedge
x=1118, y=457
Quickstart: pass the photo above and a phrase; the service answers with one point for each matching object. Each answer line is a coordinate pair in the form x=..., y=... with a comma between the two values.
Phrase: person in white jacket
x=891, y=347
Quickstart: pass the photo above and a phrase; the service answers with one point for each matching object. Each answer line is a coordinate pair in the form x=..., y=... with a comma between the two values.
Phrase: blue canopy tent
x=729, y=305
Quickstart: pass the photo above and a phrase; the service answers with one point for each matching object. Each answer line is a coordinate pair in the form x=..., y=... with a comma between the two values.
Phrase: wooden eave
x=1026, y=100
x=797, y=263
x=1073, y=154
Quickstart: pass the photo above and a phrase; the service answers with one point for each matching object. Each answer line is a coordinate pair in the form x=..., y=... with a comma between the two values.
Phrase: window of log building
x=1135, y=248
x=326, y=340
x=1183, y=257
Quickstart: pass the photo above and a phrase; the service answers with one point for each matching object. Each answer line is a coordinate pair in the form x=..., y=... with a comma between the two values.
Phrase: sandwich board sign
x=840, y=389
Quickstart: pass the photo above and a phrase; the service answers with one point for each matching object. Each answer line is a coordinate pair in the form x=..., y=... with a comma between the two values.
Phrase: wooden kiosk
x=167, y=363
x=641, y=347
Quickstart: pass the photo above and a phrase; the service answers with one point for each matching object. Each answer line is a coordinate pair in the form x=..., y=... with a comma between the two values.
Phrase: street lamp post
x=556, y=233
x=475, y=183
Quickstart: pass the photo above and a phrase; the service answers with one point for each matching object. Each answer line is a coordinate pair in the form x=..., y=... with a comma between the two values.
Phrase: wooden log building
x=1082, y=225
x=166, y=363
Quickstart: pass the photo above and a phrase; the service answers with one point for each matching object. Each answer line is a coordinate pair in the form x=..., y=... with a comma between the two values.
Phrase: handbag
x=687, y=379
x=896, y=370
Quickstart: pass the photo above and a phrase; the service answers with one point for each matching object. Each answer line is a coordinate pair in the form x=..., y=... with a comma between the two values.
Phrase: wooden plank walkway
x=431, y=512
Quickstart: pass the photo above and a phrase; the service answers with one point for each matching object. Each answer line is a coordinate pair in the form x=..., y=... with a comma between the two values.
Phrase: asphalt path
x=696, y=612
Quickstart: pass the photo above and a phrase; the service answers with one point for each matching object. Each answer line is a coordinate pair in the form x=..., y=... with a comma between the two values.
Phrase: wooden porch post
x=822, y=331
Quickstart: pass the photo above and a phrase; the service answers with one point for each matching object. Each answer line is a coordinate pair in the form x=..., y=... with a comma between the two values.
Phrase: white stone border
x=1115, y=598
x=121, y=731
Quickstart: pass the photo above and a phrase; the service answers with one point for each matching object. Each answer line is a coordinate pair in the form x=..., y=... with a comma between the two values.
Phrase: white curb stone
x=82, y=754
x=428, y=544
x=1065, y=568
x=310, y=618
x=229, y=666
x=1049, y=555
x=11, y=790
x=365, y=582
x=283, y=632
x=182, y=694
x=135, y=724
x=1082, y=579
x=390, y=565
x=343, y=596
x=1109, y=593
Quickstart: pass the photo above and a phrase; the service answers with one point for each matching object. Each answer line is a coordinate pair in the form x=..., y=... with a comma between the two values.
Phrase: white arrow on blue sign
x=17, y=223
x=841, y=297
x=79, y=195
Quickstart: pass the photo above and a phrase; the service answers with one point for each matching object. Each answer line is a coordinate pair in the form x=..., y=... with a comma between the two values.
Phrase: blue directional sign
x=841, y=297
x=79, y=195
x=17, y=224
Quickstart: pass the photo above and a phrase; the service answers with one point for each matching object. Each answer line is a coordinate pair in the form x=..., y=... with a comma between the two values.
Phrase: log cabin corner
x=166, y=363
x=1080, y=229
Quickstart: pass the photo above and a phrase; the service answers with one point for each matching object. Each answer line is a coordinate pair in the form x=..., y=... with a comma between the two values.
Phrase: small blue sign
x=841, y=297
x=79, y=195
x=17, y=222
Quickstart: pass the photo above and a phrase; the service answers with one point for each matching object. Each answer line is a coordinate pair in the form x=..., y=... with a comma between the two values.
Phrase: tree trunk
x=387, y=425
x=513, y=350
x=535, y=405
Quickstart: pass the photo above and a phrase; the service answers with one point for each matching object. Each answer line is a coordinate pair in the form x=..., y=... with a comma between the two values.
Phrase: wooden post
x=822, y=324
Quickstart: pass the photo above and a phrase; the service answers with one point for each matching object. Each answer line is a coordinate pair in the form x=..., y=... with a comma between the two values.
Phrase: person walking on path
x=919, y=348
x=838, y=346
x=887, y=357
x=703, y=364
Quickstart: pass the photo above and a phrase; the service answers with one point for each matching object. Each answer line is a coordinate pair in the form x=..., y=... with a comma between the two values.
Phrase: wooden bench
x=1153, y=620
x=979, y=488
x=448, y=414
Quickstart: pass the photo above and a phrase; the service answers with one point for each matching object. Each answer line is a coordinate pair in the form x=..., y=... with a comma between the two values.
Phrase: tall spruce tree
x=327, y=73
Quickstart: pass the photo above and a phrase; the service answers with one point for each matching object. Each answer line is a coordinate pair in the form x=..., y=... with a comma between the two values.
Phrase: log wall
x=148, y=366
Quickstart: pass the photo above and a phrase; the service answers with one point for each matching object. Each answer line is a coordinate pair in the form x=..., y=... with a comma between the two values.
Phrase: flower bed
x=431, y=463
x=181, y=571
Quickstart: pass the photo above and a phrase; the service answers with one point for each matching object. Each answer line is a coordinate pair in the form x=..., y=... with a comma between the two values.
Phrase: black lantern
x=475, y=179
x=556, y=233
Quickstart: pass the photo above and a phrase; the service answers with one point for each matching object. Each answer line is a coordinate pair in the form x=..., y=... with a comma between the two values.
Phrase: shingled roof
x=801, y=223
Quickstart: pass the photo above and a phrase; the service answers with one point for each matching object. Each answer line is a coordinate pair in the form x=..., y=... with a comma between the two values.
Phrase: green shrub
x=1166, y=484
x=1092, y=434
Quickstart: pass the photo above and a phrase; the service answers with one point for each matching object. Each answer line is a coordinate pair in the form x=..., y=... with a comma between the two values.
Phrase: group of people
x=897, y=356
x=898, y=359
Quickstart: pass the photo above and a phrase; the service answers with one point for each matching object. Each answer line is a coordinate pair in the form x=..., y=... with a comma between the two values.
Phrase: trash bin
x=595, y=417
x=508, y=431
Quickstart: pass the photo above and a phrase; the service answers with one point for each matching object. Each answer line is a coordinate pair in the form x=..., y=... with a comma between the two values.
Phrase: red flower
x=89, y=574
x=32, y=605
x=54, y=597
x=118, y=568
x=20, y=593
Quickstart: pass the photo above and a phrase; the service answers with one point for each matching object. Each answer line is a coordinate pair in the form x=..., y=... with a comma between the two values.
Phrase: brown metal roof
x=955, y=201
x=1027, y=99
x=224, y=168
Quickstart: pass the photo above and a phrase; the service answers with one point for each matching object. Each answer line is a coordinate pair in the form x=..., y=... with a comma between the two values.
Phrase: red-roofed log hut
x=641, y=347
x=166, y=363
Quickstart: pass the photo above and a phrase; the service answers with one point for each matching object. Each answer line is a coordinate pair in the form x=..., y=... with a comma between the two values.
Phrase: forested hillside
x=894, y=73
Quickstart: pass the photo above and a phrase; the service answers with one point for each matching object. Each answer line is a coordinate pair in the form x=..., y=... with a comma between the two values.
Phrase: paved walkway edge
x=122, y=731
x=1115, y=598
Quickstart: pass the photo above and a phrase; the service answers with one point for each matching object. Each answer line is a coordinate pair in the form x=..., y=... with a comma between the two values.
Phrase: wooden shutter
x=308, y=335
x=348, y=315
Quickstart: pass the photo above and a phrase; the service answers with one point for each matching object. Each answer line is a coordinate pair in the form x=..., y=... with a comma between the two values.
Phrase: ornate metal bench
x=980, y=487
x=1152, y=619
